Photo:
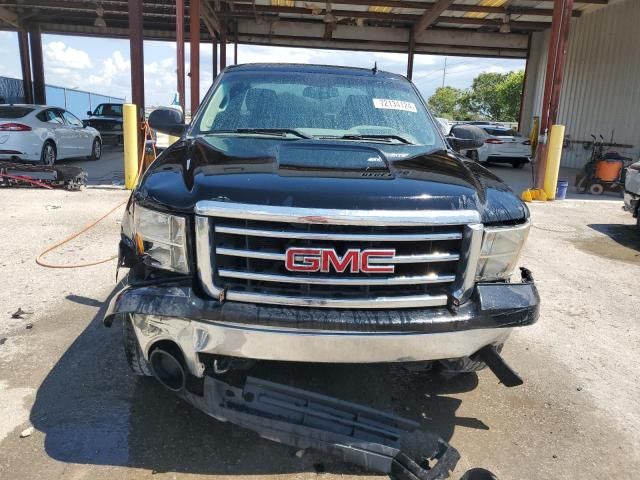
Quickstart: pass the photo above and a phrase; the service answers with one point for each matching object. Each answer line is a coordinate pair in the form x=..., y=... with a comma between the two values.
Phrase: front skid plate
x=370, y=438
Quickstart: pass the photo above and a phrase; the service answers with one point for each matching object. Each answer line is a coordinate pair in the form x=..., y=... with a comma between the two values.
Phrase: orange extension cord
x=43, y=263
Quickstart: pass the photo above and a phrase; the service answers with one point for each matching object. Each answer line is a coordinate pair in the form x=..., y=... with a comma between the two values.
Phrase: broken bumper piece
x=375, y=440
x=233, y=329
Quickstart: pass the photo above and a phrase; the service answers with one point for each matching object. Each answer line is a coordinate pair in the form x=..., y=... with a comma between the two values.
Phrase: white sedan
x=502, y=145
x=44, y=134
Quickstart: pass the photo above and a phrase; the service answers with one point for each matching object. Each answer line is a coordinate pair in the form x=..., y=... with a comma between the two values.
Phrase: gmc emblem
x=326, y=259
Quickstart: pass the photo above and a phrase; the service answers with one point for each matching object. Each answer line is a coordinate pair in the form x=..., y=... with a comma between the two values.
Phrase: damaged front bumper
x=198, y=326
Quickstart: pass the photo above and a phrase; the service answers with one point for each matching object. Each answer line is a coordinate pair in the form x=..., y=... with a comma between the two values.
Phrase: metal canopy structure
x=496, y=28
x=487, y=28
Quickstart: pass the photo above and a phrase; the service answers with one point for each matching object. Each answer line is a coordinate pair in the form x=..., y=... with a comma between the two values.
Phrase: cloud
x=57, y=54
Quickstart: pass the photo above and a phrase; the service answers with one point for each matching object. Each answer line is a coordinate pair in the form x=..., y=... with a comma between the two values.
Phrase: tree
x=450, y=103
x=444, y=102
x=492, y=96
x=509, y=92
x=484, y=95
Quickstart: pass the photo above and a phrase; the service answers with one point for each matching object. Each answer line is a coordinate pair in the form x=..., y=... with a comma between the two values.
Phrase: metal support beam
x=235, y=44
x=416, y=5
x=553, y=79
x=9, y=17
x=223, y=50
x=25, y=65
x=215, y=57
x=527, y=67
x=37, y=66
x=136, y=54
x=410, y=53
x=180, y=52
x=249, y=11
x=194, y=31
x=210, y=18
x=431, y=15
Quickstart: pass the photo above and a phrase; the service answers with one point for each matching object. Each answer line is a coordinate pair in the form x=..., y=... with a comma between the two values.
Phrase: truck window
x=318, y=104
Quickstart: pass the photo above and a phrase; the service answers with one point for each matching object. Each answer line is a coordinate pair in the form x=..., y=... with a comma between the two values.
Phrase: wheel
x=638, y=219
x=464, y=364
x=135, y=359
x=517, y=164
x=596, y=189
x=473, y=155
x=48, y=155
x=96, y=150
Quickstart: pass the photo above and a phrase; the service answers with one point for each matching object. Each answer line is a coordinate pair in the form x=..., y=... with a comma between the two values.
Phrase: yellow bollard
x=554, y=154
x=130, y=127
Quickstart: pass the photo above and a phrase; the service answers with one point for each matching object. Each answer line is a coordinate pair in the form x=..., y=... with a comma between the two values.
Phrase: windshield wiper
x=381, y=137
x=280, y=132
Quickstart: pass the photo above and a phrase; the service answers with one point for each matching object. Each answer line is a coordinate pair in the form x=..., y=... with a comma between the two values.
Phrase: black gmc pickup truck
x=317, y=214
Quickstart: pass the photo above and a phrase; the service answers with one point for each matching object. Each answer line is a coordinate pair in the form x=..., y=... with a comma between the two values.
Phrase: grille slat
x=425, y=258
x=323, y=280
x=411, y=237
x=247, y=254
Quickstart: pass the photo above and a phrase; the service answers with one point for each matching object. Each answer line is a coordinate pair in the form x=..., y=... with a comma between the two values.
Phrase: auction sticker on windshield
x=394, y=105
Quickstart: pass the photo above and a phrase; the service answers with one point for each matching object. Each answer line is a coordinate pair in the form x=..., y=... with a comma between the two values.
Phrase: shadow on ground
x=625, y=235
x=93, y=411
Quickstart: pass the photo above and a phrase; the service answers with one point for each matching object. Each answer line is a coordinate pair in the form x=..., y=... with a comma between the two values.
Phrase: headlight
x=162, y=239
x=501, y=247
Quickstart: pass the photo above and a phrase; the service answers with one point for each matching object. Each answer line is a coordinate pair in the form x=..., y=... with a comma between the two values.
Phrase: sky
x=102, y=65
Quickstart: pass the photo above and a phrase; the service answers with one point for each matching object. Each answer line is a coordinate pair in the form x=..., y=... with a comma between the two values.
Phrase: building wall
x=601, y=84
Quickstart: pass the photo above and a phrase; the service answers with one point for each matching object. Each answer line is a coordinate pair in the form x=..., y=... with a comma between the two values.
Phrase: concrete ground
x=62, y=372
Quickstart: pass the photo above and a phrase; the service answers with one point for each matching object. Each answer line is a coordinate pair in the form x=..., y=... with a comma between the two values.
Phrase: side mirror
x=89, y=112
x=169, y=121
x=466, y=137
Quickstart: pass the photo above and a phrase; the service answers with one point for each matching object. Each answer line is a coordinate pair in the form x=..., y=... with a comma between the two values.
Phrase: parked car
x=504, y=145
x=632, y=192
x=317, y=214
x=37, y=133
x=107, y=119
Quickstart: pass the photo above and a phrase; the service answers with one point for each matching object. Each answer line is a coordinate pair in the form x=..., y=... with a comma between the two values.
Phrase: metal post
x=524, y=84
x=223, y=48
x=214, y=44
x=136, y=54
x=444, y=72
x=25, y=65
x=553, y=79
x=235, y=44
x=133, y=139
x=180, y=51
x=37, y=66
x=412, y=46
x=194, y=30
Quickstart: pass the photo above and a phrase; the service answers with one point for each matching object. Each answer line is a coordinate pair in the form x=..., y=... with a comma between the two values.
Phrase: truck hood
x=324, y=174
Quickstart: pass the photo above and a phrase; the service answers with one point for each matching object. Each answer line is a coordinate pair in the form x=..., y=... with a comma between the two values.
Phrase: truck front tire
x=135, y=359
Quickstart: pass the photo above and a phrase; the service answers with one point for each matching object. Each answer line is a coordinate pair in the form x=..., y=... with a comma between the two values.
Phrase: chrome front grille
x=241, y=252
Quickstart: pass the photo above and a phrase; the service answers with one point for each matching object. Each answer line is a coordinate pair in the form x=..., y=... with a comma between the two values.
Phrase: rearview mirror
x=169, y=121
x=466, y=137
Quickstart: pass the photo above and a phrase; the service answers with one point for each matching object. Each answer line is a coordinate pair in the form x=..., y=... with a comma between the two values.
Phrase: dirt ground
x=576, y=416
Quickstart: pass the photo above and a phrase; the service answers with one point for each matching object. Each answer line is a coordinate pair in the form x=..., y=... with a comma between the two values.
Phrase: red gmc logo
x=326, y=259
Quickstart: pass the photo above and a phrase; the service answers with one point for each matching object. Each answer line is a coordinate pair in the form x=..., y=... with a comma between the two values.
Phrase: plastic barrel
x=561, y=189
